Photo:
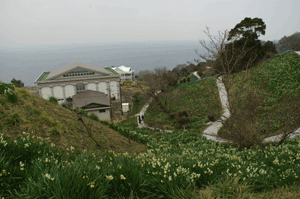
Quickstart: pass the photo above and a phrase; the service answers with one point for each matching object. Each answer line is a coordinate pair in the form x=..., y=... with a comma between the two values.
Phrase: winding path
x=211, y=132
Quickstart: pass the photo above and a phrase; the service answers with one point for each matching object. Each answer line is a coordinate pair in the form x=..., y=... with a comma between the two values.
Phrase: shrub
x=200, y=73
x=4, y=86
x=65, y=106
x=82, y=112
x=94, y=117
x=53, y=100
x=55, y=132
x=210, y=72
x=7, y=90
x=17, y=83
x=25, y=93
x=211, y=117
x=11, y=97
x=188, y=79
x=184, y=80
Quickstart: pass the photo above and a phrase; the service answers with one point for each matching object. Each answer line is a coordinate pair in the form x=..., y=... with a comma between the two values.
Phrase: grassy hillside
x=180, y=164
x=281, y=75
x=59, y=125
x=200, y=117
x=176, y=165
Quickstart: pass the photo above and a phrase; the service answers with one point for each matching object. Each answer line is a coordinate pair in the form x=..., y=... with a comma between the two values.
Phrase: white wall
x=102, y=87
x=69, y=90
x=115, y=90
x=91, y=86
x=46, y=93
x=58, y=92
x=102, y=116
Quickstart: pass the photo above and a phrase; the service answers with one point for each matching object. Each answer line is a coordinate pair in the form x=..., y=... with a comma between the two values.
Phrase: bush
x=184, y=80
x=65, y=106
x=200, y=73
x=11, y=97
x=82, y=112
x=4, y=86
x=210, y=72
x=53, y=100
x=55, y=132
x=211, y=117
x=94, y=117
x=8, y=89
x=188, y=79
x=17, y=83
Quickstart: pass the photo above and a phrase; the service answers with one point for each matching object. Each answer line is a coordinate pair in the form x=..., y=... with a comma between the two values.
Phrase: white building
x=126, y=72
x=74, y=78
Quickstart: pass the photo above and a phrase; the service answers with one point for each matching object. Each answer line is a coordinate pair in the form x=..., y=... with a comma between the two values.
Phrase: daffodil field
x=32, y=169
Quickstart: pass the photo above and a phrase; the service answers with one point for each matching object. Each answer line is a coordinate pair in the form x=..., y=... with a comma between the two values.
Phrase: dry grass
x=134, y=88
x=214, y=191
x=40, y=117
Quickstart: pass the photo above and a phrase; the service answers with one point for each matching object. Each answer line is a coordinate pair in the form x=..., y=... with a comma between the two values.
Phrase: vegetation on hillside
x=198, y=116
x=21, y=111
x=289, y=42
x=277, y=110
x=52, y=151
x=176, y=165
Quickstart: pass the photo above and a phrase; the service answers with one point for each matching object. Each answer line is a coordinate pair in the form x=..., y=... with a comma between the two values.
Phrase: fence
x=276, y=54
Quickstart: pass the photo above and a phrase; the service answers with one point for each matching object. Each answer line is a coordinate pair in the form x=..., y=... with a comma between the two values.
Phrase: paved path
x=211, y=132
x=195, y=73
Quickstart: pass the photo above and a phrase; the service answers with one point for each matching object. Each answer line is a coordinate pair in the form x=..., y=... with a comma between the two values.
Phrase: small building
x=93, y=102
x=126, y=73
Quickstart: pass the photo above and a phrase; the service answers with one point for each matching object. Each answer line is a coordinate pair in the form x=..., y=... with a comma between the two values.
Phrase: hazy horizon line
x=100, y=43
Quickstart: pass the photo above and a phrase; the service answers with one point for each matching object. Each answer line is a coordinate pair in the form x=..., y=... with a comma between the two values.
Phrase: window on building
x=78, y=73
x=102, y=111
x=80, y=88
x=127, y=74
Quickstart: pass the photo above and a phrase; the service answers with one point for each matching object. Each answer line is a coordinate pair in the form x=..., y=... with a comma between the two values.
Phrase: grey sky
x=42, y=22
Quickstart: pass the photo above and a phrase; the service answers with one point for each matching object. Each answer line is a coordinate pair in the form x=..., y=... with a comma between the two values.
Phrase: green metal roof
x=112, y=71
x=43, y=76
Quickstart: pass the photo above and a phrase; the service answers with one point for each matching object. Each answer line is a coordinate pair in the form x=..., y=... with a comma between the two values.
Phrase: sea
x=29, y=62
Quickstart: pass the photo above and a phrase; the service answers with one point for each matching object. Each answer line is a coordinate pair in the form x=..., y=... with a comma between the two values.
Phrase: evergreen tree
x=17, y=83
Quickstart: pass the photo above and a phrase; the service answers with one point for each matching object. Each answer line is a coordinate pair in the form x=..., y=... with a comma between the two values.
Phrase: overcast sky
x=43, y=22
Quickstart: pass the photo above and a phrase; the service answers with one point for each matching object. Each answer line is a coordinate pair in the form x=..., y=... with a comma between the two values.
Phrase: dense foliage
x=174, y=160
x=17, y=83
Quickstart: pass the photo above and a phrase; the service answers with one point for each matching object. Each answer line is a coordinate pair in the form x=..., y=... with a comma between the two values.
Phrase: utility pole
x=121, y=97
x=110, y=103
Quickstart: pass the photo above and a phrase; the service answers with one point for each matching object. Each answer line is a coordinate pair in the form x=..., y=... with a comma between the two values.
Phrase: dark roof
x=89, y=96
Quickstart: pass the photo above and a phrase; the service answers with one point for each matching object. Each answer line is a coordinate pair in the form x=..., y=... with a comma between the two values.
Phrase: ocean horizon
x=29, y=62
